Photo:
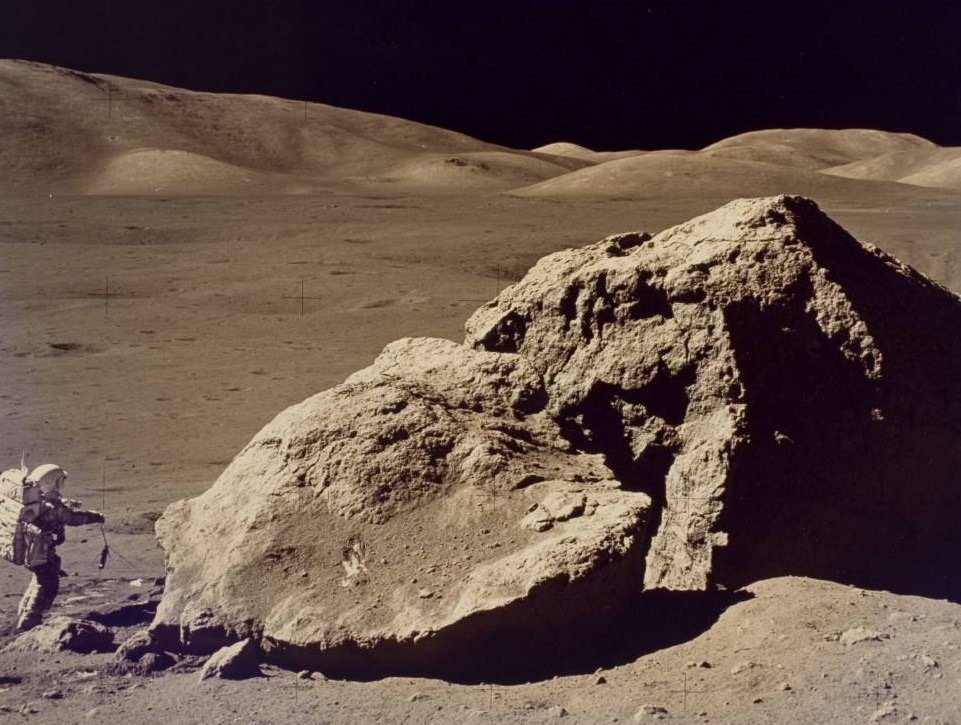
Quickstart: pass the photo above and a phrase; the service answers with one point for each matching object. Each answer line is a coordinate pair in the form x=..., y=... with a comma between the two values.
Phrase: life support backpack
x=22, y=542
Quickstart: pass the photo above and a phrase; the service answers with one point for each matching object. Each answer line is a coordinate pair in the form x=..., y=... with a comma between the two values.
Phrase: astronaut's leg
x=42, y=590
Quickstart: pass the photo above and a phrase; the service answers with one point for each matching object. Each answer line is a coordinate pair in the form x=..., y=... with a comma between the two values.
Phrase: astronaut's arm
x=78, y=517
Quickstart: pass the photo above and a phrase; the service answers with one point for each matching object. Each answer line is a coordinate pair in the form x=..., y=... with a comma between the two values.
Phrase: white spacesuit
x=55, y=513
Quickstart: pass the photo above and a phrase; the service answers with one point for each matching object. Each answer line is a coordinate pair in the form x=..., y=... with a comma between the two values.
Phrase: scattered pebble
x=304, y=674
x=557, y=711
x=425, y=593
x=416, y=697
x=601, y=680
x=650, y=712
x=757, y=700
x=883, y=712
x=860, y=634
x=928, y=662
x=786, y=687
x=52, y=695
x=742, y=667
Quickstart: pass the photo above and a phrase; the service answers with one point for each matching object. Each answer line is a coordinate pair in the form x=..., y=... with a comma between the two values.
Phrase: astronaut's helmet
x=50, y=478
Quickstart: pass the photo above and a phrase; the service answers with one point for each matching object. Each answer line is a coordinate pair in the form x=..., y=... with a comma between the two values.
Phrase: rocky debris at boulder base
x=63, y=633
x=239, y=661
x=141, y=655
x=750, y=394
x=136, y=646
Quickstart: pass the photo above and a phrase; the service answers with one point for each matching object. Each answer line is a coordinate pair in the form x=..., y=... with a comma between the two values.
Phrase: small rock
x=785, y=687
x=743, y=666
x=704, y=664
x=52, y=695
x=601, y=680
x=860, y=634
x=152, y=662
x=135, y=647
x=885, y=711
x=757, y=700
x=538, y=520
x=28, y=709
x=650, y=712
x=417, y=696
x=425, y=594
x=304, y=674
x=557, y=711
x=236, y=662
x=63, y=633
x=928, y=662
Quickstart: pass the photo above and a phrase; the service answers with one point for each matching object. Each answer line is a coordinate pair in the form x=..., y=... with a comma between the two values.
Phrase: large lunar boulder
x=753, y=393
x=424, y=505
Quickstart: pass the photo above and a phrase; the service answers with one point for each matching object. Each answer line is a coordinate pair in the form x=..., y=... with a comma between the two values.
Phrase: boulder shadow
x=525, y=644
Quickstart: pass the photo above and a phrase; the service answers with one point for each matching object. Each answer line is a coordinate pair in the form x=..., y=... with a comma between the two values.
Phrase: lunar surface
x=177, y=268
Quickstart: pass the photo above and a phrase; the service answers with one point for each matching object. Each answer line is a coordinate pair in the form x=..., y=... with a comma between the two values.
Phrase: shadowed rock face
x=750, y=394
x=786, y=395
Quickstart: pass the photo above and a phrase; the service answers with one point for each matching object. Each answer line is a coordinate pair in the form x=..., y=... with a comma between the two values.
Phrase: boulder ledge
x=753, y=393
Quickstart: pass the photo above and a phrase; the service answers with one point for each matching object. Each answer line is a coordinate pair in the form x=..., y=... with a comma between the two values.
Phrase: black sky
x=604, y=73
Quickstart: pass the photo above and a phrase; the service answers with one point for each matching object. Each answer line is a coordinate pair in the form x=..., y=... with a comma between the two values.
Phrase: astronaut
x=56, y=512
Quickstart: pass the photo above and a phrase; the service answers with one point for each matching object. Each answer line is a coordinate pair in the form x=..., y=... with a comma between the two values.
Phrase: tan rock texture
x=750, y=394
x=382, y=522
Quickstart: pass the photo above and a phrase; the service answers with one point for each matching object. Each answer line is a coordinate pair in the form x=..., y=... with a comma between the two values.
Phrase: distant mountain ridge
x=70, y=132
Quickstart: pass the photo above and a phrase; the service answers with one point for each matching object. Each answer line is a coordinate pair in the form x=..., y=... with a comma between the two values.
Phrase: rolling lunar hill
x=72, y=132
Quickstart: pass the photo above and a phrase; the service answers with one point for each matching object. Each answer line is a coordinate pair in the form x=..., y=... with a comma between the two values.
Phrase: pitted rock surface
x=753, y=393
